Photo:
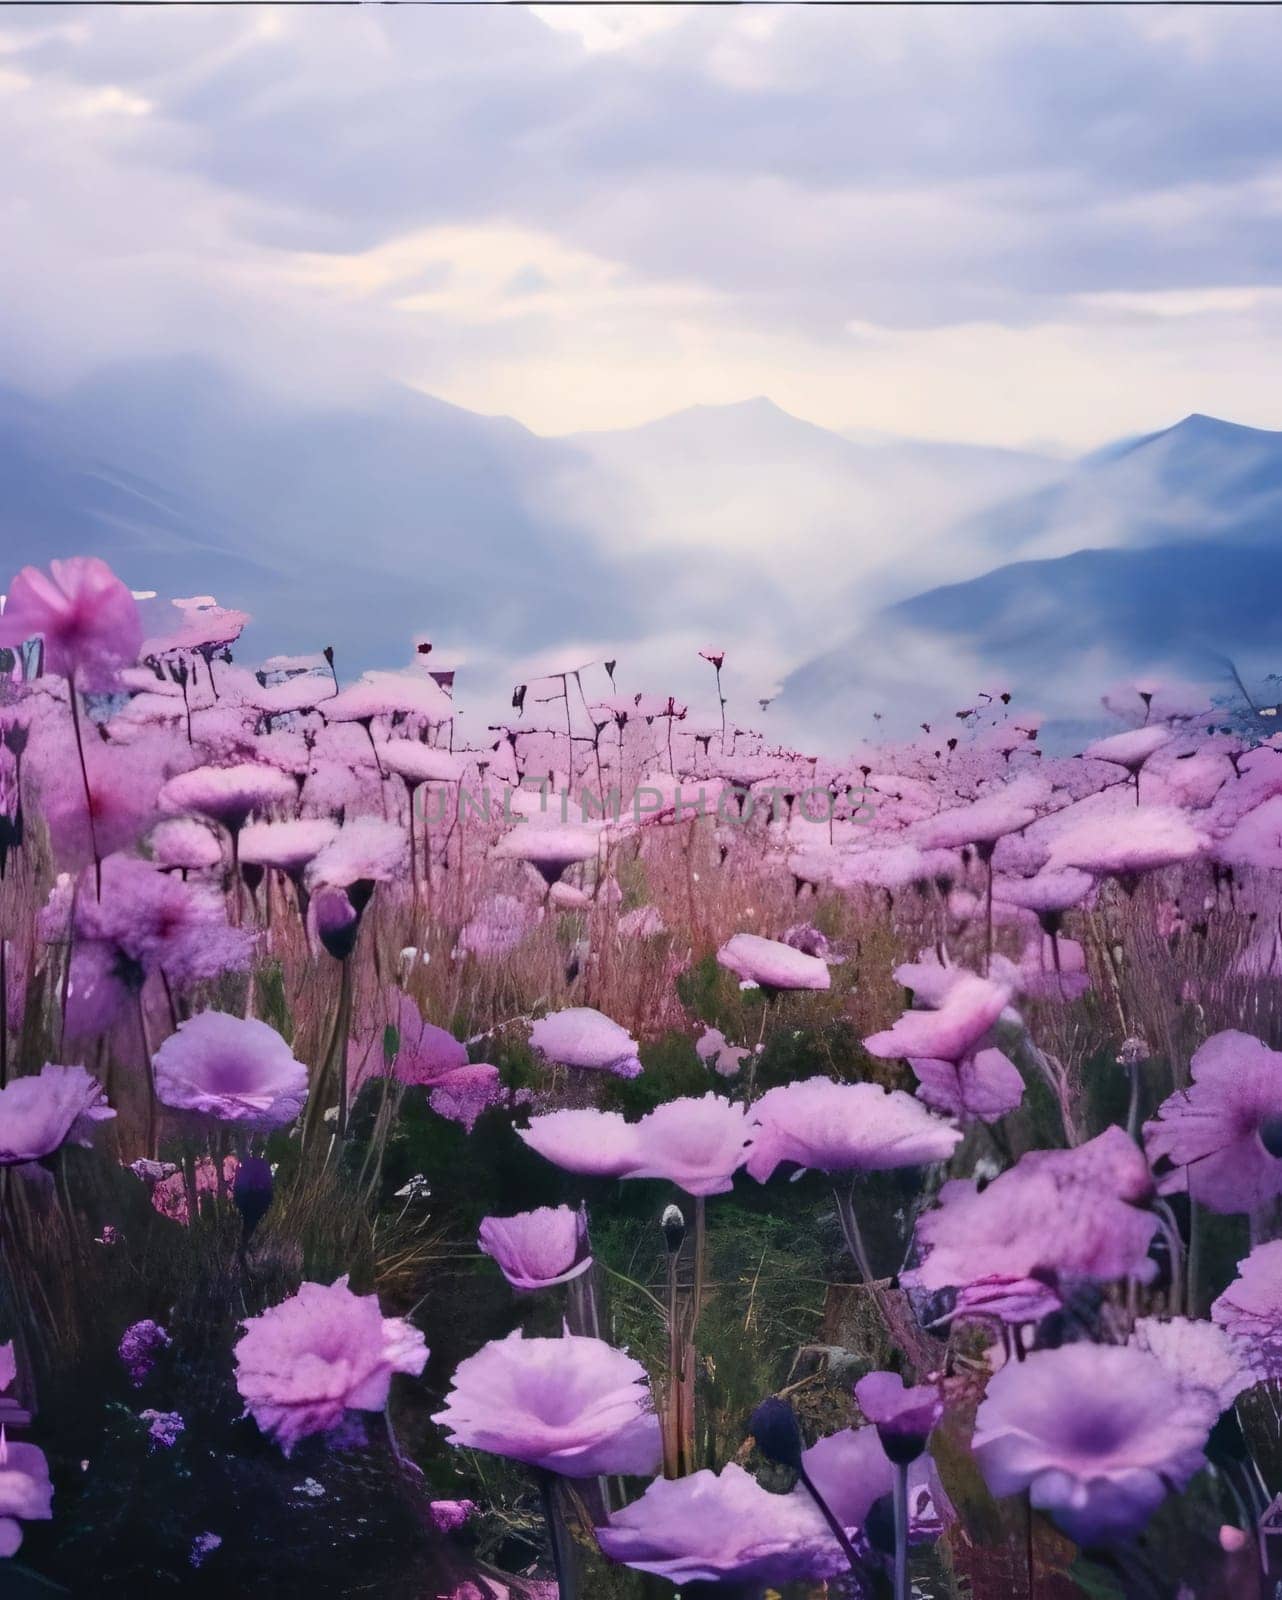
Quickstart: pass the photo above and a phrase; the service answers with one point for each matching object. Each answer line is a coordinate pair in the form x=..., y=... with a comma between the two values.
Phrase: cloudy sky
x=1036, y=226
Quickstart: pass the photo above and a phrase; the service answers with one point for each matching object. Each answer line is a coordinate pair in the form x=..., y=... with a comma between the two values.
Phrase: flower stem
x=562, y=1549
x=84, y=777
x=839, y=1533
x=340, y=1043
x=901, y=1530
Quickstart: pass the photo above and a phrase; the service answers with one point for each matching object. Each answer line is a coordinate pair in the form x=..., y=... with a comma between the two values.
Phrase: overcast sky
x=1012, y=226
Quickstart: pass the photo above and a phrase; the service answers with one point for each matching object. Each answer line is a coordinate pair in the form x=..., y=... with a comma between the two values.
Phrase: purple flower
x=365, y=850
x=844, y=1127
x=1250, y=1309
x=287, y=846
x=87, y=618
x=598, y=1144
x=573, y=1405
x=536, y=1249
x=967, y=1012
x=984, y=821
x=979, y=1088
x=163, y=1427
x=904, y=1418
x=768, y=964
x=234, y=1069
x=852, y=1471
x=1224, y=1133
x=1057, y=1213
x=1126, y=841
x=465, y=1092
x=203, y=1546
x=447, y=1515
x=140, y=1345
x=713, y=1049
x=302, y=1364
x=26, y=1495
x=149, y=921
x=722, y=1527
x=230, y=795
x=582, y=1037
x=696, y=1143
x=42, y=1112
x=725, y=1528
x=1098, y=1435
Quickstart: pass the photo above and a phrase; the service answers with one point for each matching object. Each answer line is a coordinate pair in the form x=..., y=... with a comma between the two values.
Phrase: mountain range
x=864, y=574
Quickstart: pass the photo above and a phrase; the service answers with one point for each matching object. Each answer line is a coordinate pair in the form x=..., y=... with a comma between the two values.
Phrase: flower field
x=603, y=1153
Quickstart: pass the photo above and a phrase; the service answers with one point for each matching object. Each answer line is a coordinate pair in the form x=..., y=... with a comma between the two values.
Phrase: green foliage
x=272, y=1005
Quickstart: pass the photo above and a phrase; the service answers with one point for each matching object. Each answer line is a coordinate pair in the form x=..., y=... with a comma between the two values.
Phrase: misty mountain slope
x=1058, y=631
x=353, y=526
x=829, y=519
x=1201, y=479
x=361, y=524
x=56, y=498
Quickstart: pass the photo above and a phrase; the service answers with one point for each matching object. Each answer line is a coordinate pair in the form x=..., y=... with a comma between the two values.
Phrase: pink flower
x=42, y=1112
x=1055, y=1213
x=696, y=1143
x=844, y=1127
x=572, y=1405
x=722, y=1526
x=1098, y=1435
x=303, y=1363
x=122, y=799
x=582, y=1037
x=149, y=921
x=852, y=1472
x=449, y=1515
x=426, y=1053
x=549, y=849
x=772, y=965
x=230, y=795
x=598, y=1144
x=979, y=1088
x=713, y=1049
x=1048, y=893
x=904, y=1418
x=87, y=618
x=1130, y=749
x=288, y=846
x=988, y=819
x=365, y=850
x=536, y=1249
x=1127, y=841
x=183, y=843
x=26, y=1494
x=234, y=1069
x=967, y=1012
x=1223, y=1134
x=463, y=1093
x=417, y=763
